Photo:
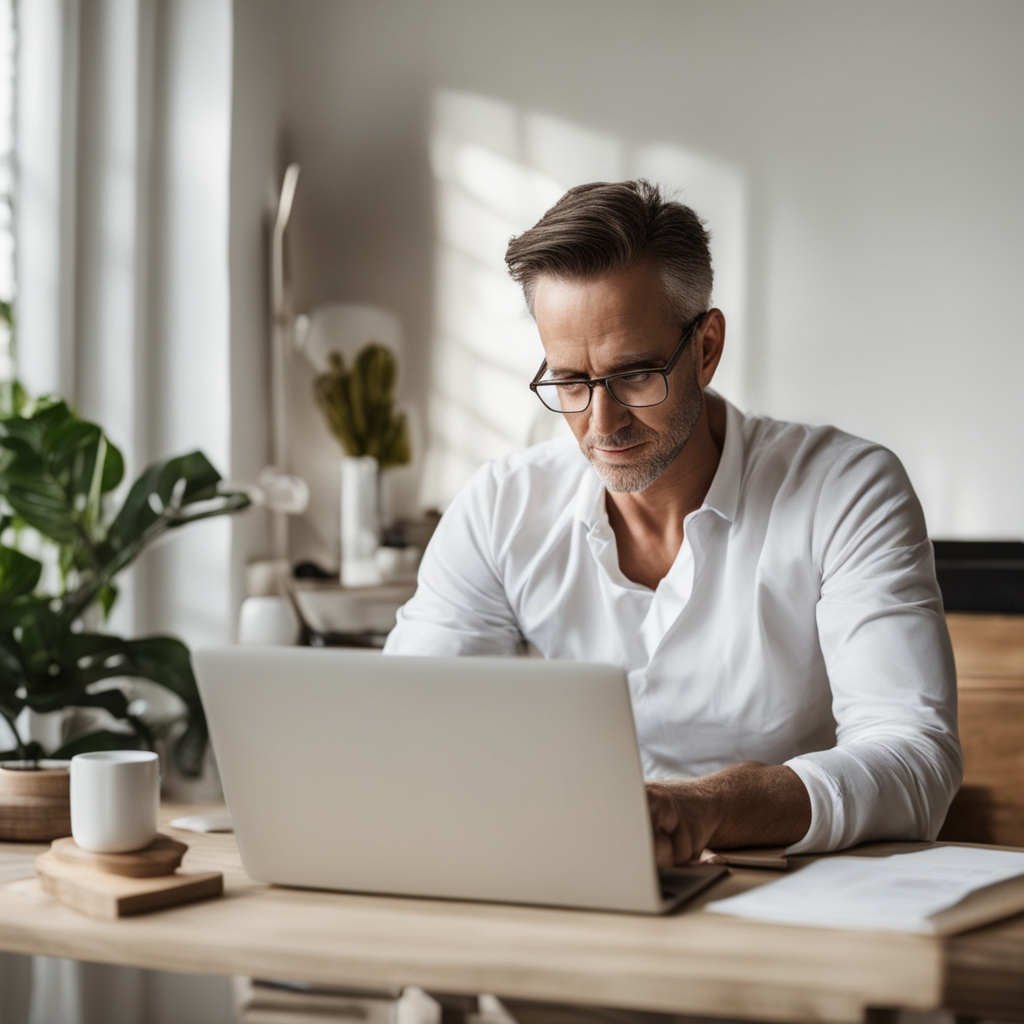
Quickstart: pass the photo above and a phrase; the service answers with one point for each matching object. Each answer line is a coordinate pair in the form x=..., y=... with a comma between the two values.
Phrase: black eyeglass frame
x=593, y=382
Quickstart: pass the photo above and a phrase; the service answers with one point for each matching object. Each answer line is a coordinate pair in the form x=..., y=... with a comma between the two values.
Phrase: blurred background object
x=981, y=576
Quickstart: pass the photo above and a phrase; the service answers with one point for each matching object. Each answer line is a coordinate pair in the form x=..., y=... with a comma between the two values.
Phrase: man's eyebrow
x=629, y=361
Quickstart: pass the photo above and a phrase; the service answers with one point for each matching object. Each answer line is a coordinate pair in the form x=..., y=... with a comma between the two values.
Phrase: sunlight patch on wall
x=496, y=170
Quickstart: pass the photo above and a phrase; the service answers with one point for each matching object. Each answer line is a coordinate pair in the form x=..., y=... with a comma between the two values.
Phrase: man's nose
x=606, y=415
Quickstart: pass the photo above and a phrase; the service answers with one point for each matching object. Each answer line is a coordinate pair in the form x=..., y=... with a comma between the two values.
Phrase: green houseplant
x=58, y=473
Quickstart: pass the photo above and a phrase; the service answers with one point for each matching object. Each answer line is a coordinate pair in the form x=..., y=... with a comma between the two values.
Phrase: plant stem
x=79, y=599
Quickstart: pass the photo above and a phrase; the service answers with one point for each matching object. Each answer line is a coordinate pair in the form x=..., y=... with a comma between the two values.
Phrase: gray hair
x=598, y=228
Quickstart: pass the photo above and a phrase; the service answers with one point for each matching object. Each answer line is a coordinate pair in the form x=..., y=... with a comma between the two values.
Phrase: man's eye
x=571, y=387
x=641, y=377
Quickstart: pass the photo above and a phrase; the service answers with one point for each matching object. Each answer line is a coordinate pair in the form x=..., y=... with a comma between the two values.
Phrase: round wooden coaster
x=161, y=857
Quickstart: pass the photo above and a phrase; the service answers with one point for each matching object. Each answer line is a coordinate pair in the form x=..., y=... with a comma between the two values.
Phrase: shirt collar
x=724, y=493
x=590, y=501
x=722, y=497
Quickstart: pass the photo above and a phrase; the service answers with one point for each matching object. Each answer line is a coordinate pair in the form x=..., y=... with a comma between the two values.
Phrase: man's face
x=612, y=324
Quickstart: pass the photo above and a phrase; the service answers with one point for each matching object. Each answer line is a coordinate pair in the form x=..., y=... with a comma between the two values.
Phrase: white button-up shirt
x=800, y=623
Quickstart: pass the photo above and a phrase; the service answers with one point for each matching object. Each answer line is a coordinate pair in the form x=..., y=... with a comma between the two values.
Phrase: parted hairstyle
x=605, y=226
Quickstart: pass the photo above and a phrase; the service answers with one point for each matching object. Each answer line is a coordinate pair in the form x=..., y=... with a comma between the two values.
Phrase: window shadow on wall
x=496, y=169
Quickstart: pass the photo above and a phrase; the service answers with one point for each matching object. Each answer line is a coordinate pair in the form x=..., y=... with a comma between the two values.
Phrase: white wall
x=859, y=164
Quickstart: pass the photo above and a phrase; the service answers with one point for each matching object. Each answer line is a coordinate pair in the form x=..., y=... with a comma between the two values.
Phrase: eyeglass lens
x=634, y=389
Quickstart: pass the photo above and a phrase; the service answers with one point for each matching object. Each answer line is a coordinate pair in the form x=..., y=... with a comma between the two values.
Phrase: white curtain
x=123, y=138
x=123, y=146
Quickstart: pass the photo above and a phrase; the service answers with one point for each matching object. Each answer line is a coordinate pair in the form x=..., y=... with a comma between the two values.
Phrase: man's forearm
x=747, y=804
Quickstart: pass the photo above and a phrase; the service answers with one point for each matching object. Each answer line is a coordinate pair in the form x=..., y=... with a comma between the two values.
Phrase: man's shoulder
x=539, y=482
x=555, y=465
x=811, y=449
x=817, y=470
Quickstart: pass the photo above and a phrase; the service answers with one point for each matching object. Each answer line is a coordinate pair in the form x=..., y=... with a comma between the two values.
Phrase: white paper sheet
x=897, y=893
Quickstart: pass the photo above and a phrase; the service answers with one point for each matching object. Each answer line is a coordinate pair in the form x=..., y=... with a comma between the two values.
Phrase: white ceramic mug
x=115, y=799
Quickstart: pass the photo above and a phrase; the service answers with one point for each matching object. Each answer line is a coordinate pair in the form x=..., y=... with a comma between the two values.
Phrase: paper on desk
x=897, y=893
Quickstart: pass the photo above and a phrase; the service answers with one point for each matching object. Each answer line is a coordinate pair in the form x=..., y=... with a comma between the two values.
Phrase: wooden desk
x=693, y=962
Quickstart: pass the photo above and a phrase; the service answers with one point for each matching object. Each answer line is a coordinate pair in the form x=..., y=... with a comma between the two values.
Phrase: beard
x=662, y=448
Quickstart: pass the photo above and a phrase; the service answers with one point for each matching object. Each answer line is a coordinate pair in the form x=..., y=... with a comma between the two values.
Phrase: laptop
x=514, y=780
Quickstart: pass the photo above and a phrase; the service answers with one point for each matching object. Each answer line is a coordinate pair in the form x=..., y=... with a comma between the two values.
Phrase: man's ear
x=709, y=345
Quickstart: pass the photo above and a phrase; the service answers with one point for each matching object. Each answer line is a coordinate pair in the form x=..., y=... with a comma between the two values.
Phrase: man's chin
x=625, y=479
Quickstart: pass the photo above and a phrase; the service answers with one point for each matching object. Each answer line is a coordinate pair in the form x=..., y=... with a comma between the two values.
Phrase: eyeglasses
x=635, y=389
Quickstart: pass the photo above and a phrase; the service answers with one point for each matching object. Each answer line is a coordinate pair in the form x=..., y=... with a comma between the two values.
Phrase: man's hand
x=748, y=804
x=682, y=819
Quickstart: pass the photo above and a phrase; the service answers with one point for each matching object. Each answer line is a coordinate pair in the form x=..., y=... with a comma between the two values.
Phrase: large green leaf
x=19, y=574
x=54, y=469
x=161, y=659
x=112, y=700
x=102, y=739
x=166, y=496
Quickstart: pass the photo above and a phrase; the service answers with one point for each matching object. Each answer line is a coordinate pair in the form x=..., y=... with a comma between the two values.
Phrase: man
x=768, y=587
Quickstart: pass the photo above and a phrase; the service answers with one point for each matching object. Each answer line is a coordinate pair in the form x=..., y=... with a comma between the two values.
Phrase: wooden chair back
x=989, y=652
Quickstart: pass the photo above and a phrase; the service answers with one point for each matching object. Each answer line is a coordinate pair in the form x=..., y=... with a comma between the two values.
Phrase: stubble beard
x=657, y=457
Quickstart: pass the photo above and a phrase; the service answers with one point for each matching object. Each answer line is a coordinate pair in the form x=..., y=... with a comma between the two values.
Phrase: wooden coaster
x=104, y=895
x=161, y=857
x=35, y=806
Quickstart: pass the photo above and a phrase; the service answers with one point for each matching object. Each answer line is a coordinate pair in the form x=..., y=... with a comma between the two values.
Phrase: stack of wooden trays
x=35, y=802
x=112, y=885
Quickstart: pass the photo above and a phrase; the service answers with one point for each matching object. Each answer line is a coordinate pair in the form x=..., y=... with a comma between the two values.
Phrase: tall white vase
x=360, y=520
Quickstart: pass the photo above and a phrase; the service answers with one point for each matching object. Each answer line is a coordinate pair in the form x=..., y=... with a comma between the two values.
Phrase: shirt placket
x=676, y=588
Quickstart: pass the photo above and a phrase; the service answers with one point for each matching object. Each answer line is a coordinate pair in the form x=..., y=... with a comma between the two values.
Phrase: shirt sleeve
x=897, y=763
x=460, y=605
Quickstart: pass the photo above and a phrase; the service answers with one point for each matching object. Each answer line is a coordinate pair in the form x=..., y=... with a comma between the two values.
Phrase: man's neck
x=648, y=524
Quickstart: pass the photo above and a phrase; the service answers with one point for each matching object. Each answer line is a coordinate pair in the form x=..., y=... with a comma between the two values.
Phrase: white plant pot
x=360, y=521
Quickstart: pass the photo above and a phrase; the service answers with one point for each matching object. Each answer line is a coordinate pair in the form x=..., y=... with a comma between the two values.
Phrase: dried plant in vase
x=359, y=406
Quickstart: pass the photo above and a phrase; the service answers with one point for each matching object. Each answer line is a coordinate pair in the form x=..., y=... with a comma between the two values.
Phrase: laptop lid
x=506, y=779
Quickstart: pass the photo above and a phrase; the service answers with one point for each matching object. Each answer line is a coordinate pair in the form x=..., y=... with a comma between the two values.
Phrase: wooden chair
x=989, y=652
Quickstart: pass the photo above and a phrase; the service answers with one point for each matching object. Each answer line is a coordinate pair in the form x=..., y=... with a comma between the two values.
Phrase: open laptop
x=503, y=779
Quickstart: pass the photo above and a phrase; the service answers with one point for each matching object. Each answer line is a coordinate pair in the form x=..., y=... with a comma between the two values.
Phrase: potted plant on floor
x=58, y=473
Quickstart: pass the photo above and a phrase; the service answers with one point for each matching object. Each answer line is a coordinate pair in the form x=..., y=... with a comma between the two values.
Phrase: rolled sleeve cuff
x=827, y=825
